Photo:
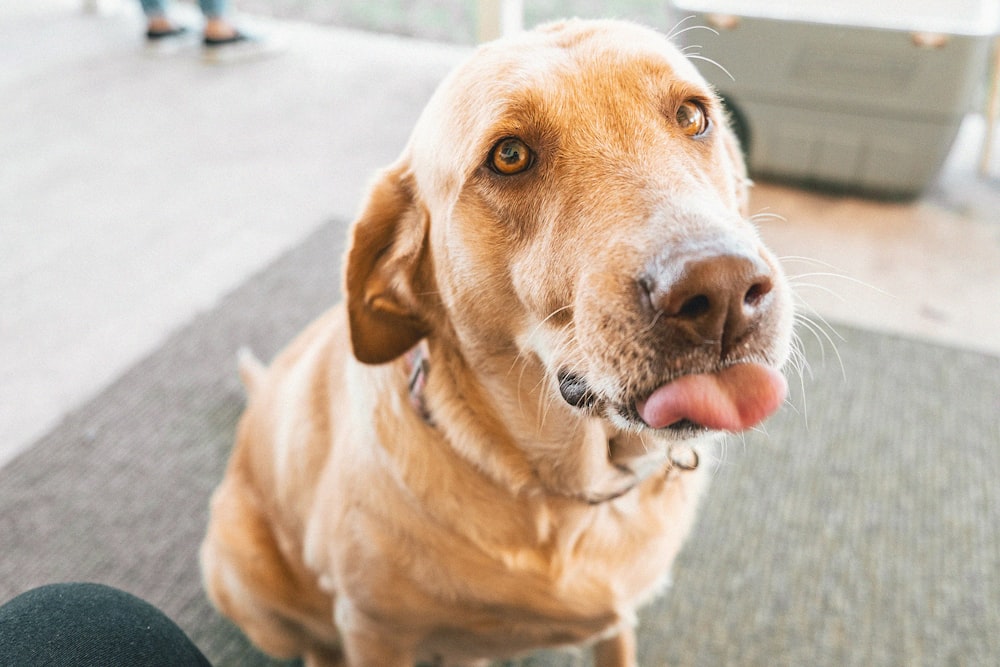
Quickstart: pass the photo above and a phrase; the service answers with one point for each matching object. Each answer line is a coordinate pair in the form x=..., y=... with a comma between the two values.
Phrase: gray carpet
x=863, y=530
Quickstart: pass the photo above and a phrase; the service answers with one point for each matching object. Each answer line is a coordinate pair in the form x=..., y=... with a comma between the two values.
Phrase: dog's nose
x=715, y=300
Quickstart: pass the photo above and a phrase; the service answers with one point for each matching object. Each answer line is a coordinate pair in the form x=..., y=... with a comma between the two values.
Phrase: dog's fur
x=484, y=515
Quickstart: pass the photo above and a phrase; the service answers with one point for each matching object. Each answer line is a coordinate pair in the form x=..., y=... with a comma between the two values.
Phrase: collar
x=418, y=367
x=683, y=459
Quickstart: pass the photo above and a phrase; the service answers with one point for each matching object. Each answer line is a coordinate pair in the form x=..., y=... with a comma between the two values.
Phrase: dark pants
x=89, y=625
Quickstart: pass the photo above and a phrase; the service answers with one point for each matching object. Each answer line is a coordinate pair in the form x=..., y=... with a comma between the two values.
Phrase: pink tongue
x=734, y=399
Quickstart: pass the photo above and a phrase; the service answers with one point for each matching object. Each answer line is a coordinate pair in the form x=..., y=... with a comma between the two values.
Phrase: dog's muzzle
x=712, y=312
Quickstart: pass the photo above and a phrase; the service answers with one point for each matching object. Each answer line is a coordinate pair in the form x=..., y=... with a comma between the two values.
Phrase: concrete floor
x=136, y=191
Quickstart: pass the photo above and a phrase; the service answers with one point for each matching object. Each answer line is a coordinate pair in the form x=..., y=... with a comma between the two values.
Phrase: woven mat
x=862, y=529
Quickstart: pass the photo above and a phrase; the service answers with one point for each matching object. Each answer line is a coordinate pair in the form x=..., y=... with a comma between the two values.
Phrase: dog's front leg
x=323, y=658
x=368, y=643
x=367, y=649
x=617, y=650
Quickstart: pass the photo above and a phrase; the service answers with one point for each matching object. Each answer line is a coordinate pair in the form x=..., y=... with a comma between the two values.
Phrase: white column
x=499, y=17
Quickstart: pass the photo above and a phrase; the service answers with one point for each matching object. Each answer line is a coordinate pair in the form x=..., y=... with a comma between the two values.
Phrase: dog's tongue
x=734, y=399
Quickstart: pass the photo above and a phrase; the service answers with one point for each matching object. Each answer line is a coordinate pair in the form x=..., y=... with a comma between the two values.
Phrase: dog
x=554, y=304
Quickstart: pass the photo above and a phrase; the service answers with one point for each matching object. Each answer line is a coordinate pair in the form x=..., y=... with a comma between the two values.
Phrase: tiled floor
x=136, y=191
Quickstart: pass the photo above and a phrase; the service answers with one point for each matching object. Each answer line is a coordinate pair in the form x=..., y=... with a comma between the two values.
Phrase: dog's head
x=573, y=198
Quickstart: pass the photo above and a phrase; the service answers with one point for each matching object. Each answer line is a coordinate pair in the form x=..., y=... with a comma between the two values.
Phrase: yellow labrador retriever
x=555, y=303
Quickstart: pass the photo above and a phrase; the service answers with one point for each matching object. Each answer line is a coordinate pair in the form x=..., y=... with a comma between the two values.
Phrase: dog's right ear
x=382, y=266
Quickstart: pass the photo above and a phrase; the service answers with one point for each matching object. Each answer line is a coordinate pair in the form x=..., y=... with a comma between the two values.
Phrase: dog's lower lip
x=629, y=412
x=686, y=425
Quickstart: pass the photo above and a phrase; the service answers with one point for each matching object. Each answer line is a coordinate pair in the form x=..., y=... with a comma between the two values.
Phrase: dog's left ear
x=382, y=266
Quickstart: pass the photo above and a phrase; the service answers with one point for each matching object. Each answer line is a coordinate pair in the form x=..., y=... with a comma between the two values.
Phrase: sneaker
x=167, y=42
x=239, y=47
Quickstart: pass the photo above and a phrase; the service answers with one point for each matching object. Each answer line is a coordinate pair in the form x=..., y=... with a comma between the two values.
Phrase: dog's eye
x=510, y=156
x=692, y=119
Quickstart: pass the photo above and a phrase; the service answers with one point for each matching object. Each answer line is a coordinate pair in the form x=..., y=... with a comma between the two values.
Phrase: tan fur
x=347, y=525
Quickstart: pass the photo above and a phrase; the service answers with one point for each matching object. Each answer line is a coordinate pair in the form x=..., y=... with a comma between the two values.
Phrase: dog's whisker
x=806, y=321
x=531, y=335
x=656, y=317
x=808, y=260
x=819, y=330
x=801, y=363
x=544, y=404
x=673, y=30
x=764, y=216
x=519, y=358
x=678, y=30
x=799, y=286
x=553, y=314
x=696, y=56
x=840, y=276
x=547, y=399
x=718, y=455
x=834, y=272
x=812, y=326
x=797, y=357
x=762, y=429
x=794, y=408
x=520, y=381
x=813, y=315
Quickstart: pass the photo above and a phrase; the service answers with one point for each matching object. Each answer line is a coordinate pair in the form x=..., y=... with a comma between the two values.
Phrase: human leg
x=217, y=25
x=90, y=625
x=159, y=28
x=154, y=7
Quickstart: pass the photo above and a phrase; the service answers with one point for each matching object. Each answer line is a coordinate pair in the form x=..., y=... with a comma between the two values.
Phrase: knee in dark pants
x=91, y=625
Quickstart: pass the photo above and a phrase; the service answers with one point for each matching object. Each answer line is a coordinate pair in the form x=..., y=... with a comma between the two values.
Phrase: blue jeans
x=210, y=8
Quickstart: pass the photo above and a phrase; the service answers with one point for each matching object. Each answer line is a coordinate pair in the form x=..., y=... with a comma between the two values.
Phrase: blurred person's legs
x=217, y=26
x=91, y=625
x=158, y=24
x=222, y=41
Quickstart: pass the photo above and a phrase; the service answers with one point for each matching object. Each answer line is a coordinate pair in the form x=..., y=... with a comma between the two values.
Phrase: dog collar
x=418, y=368
x=680, y=461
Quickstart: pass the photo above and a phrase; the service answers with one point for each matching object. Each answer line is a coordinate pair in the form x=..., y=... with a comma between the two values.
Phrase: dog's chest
x=559, y=592
x=484, y=576
x=522, y=603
